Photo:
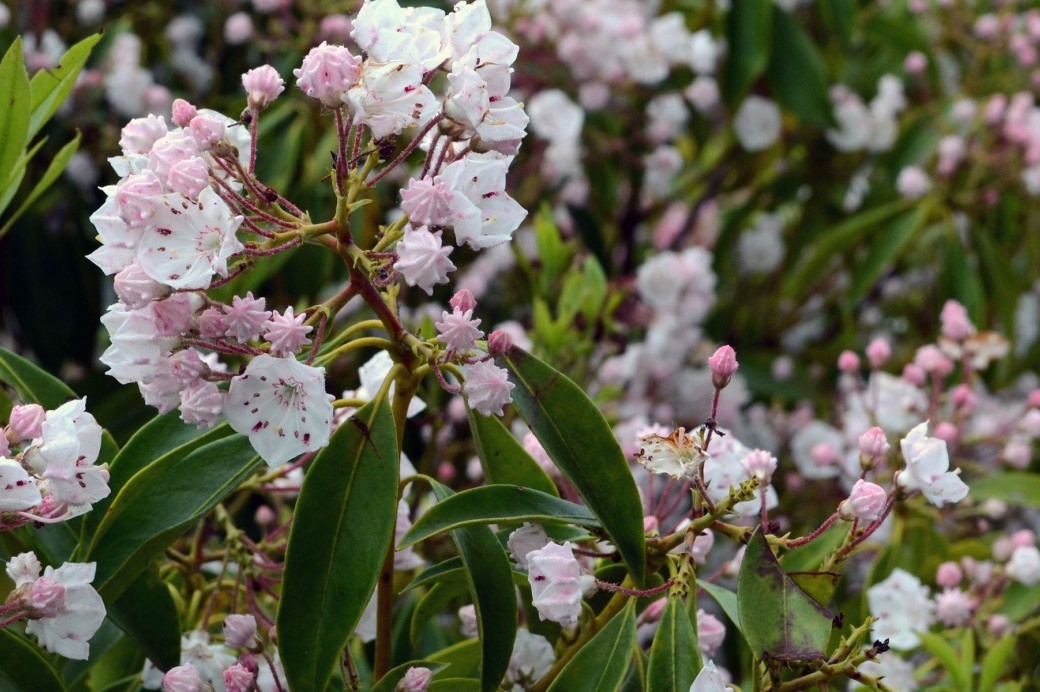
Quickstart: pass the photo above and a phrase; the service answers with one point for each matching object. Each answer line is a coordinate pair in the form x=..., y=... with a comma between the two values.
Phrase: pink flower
x=327, y=73
x=760, y=464
x=427, y=202
x=723, y=364
x=422, y=259
x=136, y=197
x=189, y=177
x=416, y=679
x=238, y=28
x=557, y=584
x=207, y=130
x=866, y=502
x=26, y=422
x=487, y=387
x=956, y=324
x=184, y=678
x=262, y=84
x=848, y=362
x=280, y=404
x=913, y=183
x=240, y=632
x=238, y=678
x=710, y=632
x=874, y=443
x=170, y=150
x=182, y=113
x=948, y=575
x=954, y=607
x=201, y=403
x=878, y=351
x=286, y=333
x=463, y=300
x=458, y=330
x=136, y=289
x=140, y=134
x=72, y=612
x=246, y=318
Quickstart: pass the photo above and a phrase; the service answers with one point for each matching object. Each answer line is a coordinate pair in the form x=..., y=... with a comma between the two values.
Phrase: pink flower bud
x=1017, y=453
x=140, y=134
x=446, y=471
x=249, y=662
x=183, y=112
x=335, y=28
x=723, y=364
x=46, y=599
x=211, y=323
x=963, y=397
x=136, y=195
x=238, y=28
x=557, y=585
x=914, y=374
x=240, y=632
x=201, y=403
x=184, y=678
x=1023, y=537
x=207, y=130
x=263, y=85
x=653, y=612
x=26, y=422
x=759, y=464
x=915, y=62
x=874, y=443
x=948, y=575
x=468, y=621
x=848, y=362
x=999, y=625
x=955, y=322
x=5, y=446
x=463, y=301
x=327, y=73
x=947, y=432
x=710, y=632
x=417, y=679
x=954, y=607
x=136, y=289
x=702, y=545
x=650, y=523
x=238, y=678
x=264, y=516
x=878, y=351
x=932, y=360
x=189, y=177
x=499, y=342
x=866, y=502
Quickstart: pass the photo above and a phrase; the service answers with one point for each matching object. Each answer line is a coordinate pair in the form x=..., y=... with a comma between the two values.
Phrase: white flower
x=709, y=679
x=482, y=213
x=723, y=469
x=391, y=97
x=1024, y=566
x=816, y=449
x=372, y=374
x=188, y=242
x=532, y=658
x=678, y=455
x=757, y=123
x=209, y=659
x=79, y=616
x=557, y=584
x=18, y=489
x=896, y=673
x=280, y=404
x=903, y=609
x=927, y=468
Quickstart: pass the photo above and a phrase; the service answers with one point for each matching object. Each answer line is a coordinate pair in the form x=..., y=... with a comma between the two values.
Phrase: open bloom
x=280, y=404
x=903, y=609
x=927, y=468
x=557, y=584
x=679, y=454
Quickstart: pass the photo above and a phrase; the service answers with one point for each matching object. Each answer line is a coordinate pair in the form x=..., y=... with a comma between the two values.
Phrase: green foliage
x=503, y=458
x=25, y=667
x=600, y=665
x=796, y=72
x=1013, y=487
x=675, y=659
x=342, y=528
x=749, y=35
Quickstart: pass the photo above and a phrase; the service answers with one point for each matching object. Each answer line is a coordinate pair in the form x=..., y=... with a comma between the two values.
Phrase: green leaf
x=158, y=503
x=578, y=439
x=342, y=529
x=388, y=682
x=463, y=658
x=438, y=572
x=15, y=109
x=778, y=619
x=495, y=504
x=25, y=668
x=937, y=646
x=494, y=596
x=1020, y=601
x=726, y=599
x=600, y=665
x=885, y=249
x=967, y=658
x=148, y=615
x=748, y=26
x=9, y=188
x=796, y=72
x=435, y=601
x=1013, y=487
x=994, y=661
x=51, y=87
x=552, y=250
x=54, y=169
x=675, y=659
x=840, y=17
x=503, y=458
x=455, y=685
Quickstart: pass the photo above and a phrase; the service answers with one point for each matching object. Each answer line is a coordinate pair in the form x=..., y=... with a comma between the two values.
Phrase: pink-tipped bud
x=914, y=374
x=248, y=661
x=136, y=289
x=183, y=112
x=878, y=351
x=46, y=598
x=947, y=432
x=999, y=625
x=932, y=360
x=723, y=364
x=963, y=397
x=499, y=342
x=650, y=524
x=956, y=324
x=1023, y=538
x=866, y=502
x=263, y=85
x=954, y=607
x=240, y=632
x=759, y=464
x=415, y=680
x=949, y=575
x=710, y=632
x=463, y=301
x=874, y=443
x=702, y=545
x=848, y=362
x=26, y=423
x=207, y=130
x=653, y=612
x=238, y=678
x=915, y=63
x=264, y=516
x=184, y=678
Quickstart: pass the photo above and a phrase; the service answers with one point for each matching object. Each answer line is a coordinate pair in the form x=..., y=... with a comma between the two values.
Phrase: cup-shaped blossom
x=487, y=387
x=327, y=73
x=72, y=615
x=19, y=490
x=280, y=404
x=866, y=502
x=927, y=468
x=482, y=213
x=391, y=97
x=903, y=609
x=679, y=454
x=557, y=584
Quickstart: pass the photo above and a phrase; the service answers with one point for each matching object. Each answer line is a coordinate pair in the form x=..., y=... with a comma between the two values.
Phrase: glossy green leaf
x=778, y=619
x=463, y=659
x=819, y=585
x=796, y=71
x=885, y=248
x=445, y=569
x=342, y=529
x=388, y=682
x=748, y=32
x=455, y=685
x=148, y=615
x=600, y=665
x=675, y=659
x=13, y=182
x=54, y=169
x=579, y=440
x=937, y=646
x=158, y=503
x=1013, y=487
x=503, y=458
x=1020, y=601
x=51, y=87
x=994, y=661
x=495, y=504
x=726, y=599
x=434, y=601
x=494, y=596
x=840, y=16
x=810, y=557
x=24, y=666
x=15, y=108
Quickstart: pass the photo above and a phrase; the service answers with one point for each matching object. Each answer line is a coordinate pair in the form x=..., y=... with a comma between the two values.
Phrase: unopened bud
x=723, y=364
x=499, y=342
x=866, y=502
x=878, y=351
x=26, y=423
x=848, y=362
x=463, y=301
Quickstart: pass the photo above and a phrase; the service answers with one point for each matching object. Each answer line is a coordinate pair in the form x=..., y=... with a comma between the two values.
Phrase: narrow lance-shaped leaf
x=503, y=458
x=778, y=619
x=158, y=503
x=25, y=666
x=54, y=169
x=493, y=504
x=15, y=108
x=675, y=659
x=51, y=87
x=341, y=531
x=494, y=596
x=600, y=665
x=148, y=615
x=748, y=25
x=578, y=439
